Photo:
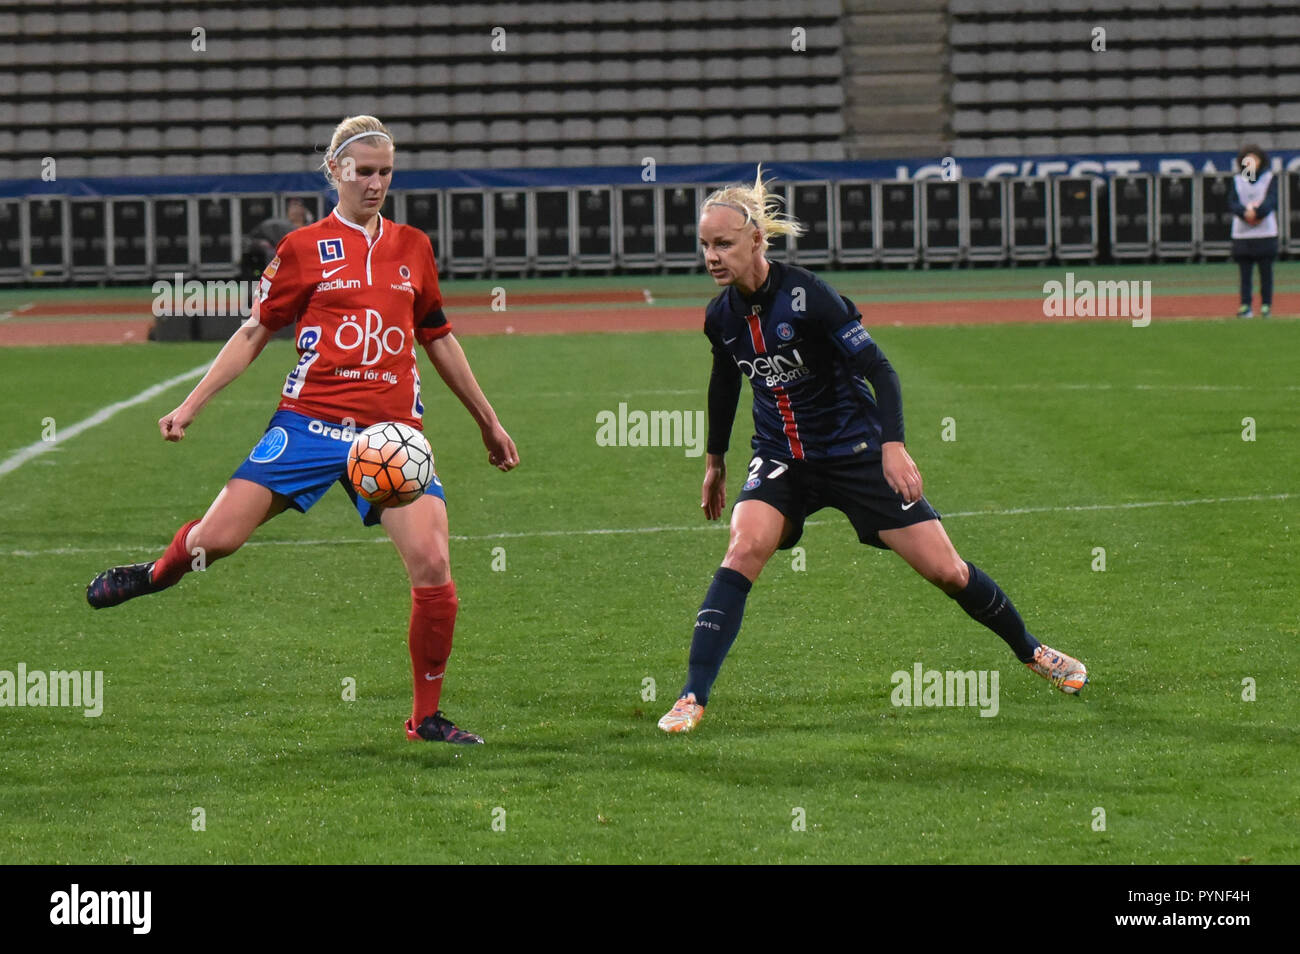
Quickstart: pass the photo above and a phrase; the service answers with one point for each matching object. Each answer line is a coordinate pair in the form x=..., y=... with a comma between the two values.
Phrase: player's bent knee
x=949, y=576
x=747, y=556
x=429, y=569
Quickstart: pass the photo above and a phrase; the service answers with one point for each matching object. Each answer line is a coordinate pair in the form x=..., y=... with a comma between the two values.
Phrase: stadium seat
x=1288, y=114
x=541, y=156
x=1181, y=142
x=542, y=130
x=1038, y=119
x=1185, y=117
x=1148, y=120
x=1152, y=89
x=613, y=156
x=107, y=140
x=577, y=130
x=611, y=129
x=1216, y=58
x=182, y=139
x=1114, y=142
x=1256, y=115
x=505, y=132
x=1075, y=118
x=966, y=63
x=1219, y=116
x=467, y=132
x=1225, y=141
x=966, y=93
x=506, y=157
x=577, y=156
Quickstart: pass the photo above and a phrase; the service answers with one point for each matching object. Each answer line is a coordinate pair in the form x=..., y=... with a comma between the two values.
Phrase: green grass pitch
x=226, y=693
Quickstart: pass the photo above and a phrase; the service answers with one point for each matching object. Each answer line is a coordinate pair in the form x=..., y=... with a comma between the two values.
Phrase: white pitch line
x=714, y=527
x=1061, y=386
x=61, y=434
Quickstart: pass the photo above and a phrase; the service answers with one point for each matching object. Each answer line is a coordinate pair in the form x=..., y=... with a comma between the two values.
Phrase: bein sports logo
x=775, y=369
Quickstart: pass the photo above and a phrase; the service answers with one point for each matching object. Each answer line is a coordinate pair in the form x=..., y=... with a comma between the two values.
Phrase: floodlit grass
x=225, y=693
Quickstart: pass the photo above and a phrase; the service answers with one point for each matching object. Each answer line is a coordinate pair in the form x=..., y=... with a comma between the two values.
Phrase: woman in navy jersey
x=1253, y=201
x=361, y=292
x=823, y=438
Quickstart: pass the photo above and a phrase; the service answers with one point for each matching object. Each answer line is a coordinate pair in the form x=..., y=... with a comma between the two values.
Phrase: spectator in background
x=1253, y=201
x=264, y=238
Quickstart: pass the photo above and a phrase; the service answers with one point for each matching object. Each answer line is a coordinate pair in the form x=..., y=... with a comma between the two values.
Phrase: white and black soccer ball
x=390, y=464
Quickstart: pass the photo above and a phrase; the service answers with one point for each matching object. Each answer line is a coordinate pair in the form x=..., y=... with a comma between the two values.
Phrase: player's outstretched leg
x=419, y=531
x=757, y=528
x=926, y=547
x=238, y=510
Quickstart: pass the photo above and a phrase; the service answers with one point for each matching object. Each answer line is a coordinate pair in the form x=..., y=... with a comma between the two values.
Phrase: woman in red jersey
x=362, y=292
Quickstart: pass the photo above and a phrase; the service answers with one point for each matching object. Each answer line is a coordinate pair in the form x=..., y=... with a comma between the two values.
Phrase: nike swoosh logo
x=729, y=340
x=703, y=611
x=325, y=274
x=911, y=505
x=429, y=677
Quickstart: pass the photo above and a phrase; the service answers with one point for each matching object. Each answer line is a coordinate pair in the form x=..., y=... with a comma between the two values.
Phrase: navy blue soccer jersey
x=808, y=359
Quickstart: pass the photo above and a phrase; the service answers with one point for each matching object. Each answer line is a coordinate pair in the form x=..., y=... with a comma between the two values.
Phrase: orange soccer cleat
x=1064, y=672
x=685, y=715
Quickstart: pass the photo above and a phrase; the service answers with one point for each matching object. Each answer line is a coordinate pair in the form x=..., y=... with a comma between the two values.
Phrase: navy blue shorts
x=300, y=457
x=855, y=486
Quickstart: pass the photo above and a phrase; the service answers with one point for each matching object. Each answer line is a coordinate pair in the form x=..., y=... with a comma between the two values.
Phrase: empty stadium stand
x=122, y=88
x=1175, y=75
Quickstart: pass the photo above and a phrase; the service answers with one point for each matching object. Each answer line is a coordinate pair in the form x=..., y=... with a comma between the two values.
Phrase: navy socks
x=984, y=601
x=716, y=627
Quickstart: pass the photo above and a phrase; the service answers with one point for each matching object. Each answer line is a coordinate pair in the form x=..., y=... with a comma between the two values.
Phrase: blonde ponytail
x=760, y=208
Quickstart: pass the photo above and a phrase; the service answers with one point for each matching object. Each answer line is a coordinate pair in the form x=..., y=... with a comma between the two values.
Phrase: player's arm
x=453, y=367
x=236, y=355
x=857, y=345
x=724, y=395
x=282, y=295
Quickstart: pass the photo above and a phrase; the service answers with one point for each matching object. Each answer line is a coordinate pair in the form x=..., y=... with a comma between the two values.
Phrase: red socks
x=433, y=618
x=176, y=560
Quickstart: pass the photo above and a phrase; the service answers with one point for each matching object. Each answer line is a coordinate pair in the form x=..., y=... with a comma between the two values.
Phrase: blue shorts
x=300, y=457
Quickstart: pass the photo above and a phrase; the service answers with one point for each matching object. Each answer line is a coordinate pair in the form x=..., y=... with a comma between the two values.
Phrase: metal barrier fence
x=923, y=222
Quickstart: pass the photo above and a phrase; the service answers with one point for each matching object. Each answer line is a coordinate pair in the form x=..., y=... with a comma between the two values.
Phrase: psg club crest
x=784, y=331
x=752, y=483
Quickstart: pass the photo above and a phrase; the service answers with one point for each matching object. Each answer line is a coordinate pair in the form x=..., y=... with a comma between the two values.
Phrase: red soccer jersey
x=361, y=304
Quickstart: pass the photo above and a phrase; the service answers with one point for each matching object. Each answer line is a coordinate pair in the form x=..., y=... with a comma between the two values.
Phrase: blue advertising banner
x=646, y=172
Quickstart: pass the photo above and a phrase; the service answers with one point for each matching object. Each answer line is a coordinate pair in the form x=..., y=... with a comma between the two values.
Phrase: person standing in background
x=1253, y=201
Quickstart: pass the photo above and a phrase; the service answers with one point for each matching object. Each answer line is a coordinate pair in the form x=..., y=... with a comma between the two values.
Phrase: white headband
x=362, y=135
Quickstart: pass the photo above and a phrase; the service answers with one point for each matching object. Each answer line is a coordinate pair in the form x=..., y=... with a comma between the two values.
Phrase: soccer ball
x=390, y=464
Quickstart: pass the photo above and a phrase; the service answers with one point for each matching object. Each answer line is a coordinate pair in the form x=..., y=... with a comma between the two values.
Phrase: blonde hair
x=760, y=209
x=352, y=128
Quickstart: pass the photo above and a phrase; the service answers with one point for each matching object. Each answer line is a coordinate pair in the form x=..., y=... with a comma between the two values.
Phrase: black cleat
x=121, y=583
x=438, y=728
